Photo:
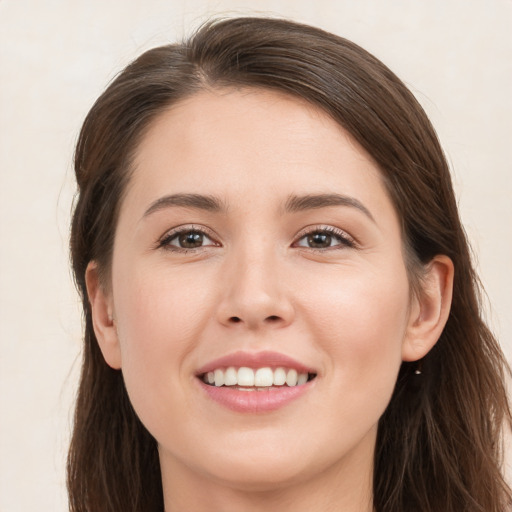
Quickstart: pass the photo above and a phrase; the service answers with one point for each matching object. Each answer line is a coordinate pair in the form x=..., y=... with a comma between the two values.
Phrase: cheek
x=160, y=317
x=360, y=323
x=160, y=308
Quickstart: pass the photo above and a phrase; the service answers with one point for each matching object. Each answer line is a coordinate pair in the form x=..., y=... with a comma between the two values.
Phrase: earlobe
x=103, y=317
x=430, y=310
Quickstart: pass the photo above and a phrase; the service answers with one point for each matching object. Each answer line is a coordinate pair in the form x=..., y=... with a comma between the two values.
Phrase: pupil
x=191, y=239
x=319, y=240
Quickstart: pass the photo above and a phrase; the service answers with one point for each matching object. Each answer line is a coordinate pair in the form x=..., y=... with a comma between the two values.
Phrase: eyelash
x=165, y=241
x=342, y=237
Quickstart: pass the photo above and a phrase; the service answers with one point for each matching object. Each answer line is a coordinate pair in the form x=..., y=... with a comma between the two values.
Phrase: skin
x=346, y=309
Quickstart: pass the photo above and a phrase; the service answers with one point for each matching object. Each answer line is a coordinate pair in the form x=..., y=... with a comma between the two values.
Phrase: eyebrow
x=194, y=201
x=293, y=204
x=315, y=201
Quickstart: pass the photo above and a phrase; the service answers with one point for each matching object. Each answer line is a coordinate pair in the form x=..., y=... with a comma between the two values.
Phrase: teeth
x=302, y=379
x=230, y=377
x=250, y=379
x=279, y=376
x=291, y=377
x=245, y=376
x=219, y=378
x=264, y=377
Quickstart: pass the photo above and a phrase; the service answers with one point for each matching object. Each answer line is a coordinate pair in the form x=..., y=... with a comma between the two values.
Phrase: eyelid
x=184, y=228
x=347, y=240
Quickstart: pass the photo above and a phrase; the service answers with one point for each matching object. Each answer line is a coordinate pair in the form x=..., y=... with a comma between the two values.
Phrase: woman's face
x=256, y=233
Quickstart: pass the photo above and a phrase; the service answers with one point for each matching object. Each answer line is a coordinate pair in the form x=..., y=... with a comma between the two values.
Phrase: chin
x=262, y=474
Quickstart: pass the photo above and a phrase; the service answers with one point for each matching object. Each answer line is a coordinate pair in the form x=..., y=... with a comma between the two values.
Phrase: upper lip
x=255, y=360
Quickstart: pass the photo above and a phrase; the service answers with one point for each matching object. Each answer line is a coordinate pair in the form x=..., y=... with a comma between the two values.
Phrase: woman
x=280, y=307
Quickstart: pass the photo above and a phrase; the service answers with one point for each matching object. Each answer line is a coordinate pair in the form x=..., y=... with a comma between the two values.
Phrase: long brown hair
x=439, y=441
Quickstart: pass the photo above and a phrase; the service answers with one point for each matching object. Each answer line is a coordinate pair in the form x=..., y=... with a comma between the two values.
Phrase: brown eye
x=190, y=240
x=319, y=240
x=186, y=239
x=326, y=238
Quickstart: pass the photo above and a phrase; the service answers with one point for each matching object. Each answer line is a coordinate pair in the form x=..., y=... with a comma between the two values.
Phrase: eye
x=325, y=238
x=186, y=239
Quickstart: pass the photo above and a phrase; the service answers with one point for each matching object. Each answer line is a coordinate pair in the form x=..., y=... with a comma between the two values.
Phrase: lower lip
x=256, y=401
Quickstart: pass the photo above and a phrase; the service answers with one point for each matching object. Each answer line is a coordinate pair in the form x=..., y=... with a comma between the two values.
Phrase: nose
x=255, y=293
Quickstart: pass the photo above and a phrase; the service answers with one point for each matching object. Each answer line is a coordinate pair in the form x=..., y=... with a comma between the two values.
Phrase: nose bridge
x=254, y=292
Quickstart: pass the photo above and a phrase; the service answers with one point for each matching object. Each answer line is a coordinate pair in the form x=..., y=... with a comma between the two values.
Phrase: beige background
x=55, y=58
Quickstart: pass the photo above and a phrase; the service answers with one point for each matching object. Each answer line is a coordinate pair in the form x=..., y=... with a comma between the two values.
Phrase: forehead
x=254, y=136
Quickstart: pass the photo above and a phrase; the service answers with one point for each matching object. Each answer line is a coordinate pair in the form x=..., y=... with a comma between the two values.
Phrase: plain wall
x=56, y=56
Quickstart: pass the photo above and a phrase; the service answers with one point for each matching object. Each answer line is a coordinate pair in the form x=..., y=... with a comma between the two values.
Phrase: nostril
x=269, y=319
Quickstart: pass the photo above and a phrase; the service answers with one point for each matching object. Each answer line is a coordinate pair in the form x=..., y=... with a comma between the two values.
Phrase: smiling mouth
x=258, y=379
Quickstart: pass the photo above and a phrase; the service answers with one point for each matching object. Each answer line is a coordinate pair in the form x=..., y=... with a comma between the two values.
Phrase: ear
x=430, y=309
x=103, y=317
